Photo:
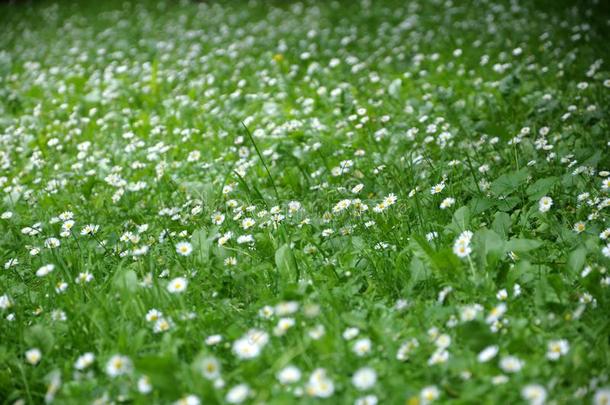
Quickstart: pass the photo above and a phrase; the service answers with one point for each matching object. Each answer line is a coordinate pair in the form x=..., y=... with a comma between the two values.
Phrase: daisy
x=184, y=248
x=118, y=365
x=447, y=202
x=210, y=368
x=250, y=346
x=487, y=354
x=177, y=285
x=44, y=270
x=602, y=395
x=364, y=379
x=33, y=356
x=247, y=223
x=84, y=361
x=162, y=325
x=429, y=394
x=188, y=400
x=362, y=347
x=437, y=189
x=89, y=229
x=511, y=364
x=238, y=394
x=579, y=227
x=153, y=315
x=557, y=348
x=83, y=278
x=289, y=375
x=319, y=385
x=144, y=386
x=545, y=204
x=535, y=394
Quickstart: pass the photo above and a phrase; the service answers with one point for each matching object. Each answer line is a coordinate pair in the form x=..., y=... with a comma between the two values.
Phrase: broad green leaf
x=39, y=336
x=489, y=246
x=576, y=259
x=541, y=187
x=286, y=263
x=126, y=280
x=509, y=182
x=461, y=219
x=202, y=242
x=501, y=224
x=521, y=245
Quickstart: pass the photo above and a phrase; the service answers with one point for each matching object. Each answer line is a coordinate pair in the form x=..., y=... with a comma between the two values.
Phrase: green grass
x=317, y=131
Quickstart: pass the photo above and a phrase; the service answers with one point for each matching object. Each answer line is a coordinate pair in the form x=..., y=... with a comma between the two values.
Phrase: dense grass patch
x=317, y=202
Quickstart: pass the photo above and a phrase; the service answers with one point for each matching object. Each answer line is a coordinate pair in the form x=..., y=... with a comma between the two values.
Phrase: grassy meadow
x=279, y=202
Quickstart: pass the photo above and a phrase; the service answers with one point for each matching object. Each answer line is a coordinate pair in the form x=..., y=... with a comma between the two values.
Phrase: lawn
x=335, y=202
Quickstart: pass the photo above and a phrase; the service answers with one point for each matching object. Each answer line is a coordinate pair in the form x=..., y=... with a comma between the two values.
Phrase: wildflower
x=89, y=229
x=188, y=400
x=54, y=383
x=429, y=394
x=83, y=278
x=238, y=394
x=213, y=340
x=511, y=364
x=153, y=315
x=61, y=287
x=184, y=248
x=33, y=356
x=118, y=365
x=437, y=189
x=367, y=400
x=224, y=239
x=250, y=346
x=218, y=218
x=487, y=354
x=406, y=348
x=266, y=312
x=390, y=199
x=52, y=243
x=499, y=379
x=447, y=202
x=579, y=227
x=362, y=347
x=144, y=385
x=496, y=313
x=13, y=262
x=557, y=348
x=535, y=394
x=461, y=246
x=162, y=325
x=247, y=223
x=602, y=395
x=289, y=375
x=438, y=357
x=283, y=325
x=545, y=204
x=341, y=206
x=364, y=378
x=44, y=270
x=84, y=361
x=470, y=312
x=210, y=368
x=177, y=285
x=319, y=385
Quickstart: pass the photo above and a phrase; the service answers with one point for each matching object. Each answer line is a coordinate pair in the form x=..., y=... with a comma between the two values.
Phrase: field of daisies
x=272, y=202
